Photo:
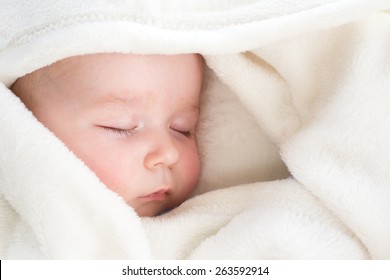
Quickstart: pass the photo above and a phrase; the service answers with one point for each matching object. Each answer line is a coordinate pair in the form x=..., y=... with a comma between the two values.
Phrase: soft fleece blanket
x=294, y=132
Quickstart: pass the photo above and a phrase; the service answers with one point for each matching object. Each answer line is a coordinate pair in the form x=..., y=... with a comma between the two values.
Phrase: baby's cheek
x=107, y=171
x=104, y=172
x=192, y=168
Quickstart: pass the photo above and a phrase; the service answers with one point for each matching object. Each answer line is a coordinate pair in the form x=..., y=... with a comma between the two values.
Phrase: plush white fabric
x=294, y=89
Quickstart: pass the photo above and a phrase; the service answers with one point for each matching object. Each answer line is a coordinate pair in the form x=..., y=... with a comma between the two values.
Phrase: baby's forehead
x=47, y=75
x=62, y=70
x=88, y=75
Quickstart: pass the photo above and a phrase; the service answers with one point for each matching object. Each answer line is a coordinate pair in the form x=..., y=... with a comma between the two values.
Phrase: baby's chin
x=155, y=208
x=151, y=210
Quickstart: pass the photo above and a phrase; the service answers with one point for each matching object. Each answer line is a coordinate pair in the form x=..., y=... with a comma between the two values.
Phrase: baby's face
x=130, y=118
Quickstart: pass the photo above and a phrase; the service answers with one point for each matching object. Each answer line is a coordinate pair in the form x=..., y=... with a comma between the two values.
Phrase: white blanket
x=293, y=134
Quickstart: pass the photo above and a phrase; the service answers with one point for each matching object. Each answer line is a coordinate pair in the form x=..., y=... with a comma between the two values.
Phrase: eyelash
x=130, y=132
x=187, y=134
x=122, y=132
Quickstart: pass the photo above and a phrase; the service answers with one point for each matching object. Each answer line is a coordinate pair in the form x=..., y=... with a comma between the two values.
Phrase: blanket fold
x=353, y=127
x=292, y=135
x=247, y=229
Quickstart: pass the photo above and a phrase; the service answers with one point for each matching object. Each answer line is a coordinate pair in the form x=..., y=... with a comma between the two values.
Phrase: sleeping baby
x=131, y=118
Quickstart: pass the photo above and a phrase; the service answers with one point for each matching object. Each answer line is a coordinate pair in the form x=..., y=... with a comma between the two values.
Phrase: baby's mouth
x=159, y=195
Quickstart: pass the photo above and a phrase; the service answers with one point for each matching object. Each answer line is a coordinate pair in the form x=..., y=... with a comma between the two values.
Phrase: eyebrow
x=129, y=99
x=117, y=100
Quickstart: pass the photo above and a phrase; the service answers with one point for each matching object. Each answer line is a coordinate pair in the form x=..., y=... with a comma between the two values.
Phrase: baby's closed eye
x=186, y=132
x=121, y=131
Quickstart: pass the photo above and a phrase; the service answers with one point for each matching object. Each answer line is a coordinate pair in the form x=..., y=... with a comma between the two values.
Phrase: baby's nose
x=162, y=153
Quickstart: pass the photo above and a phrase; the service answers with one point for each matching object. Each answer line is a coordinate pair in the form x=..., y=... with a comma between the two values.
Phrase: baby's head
x=131, y=118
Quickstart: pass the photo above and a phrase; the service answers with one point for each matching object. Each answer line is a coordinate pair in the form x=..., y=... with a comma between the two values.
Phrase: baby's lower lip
x=156, y=196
